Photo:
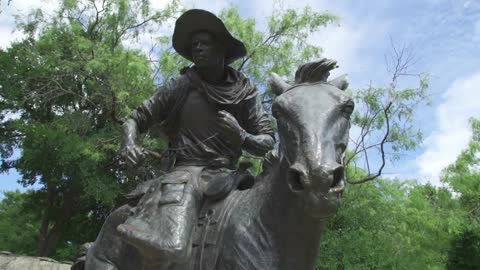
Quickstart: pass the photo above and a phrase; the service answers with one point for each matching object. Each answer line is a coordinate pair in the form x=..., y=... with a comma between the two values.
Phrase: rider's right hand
x=134, y=155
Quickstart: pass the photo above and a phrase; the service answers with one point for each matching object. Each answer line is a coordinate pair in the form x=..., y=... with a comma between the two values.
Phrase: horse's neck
x=295, y=233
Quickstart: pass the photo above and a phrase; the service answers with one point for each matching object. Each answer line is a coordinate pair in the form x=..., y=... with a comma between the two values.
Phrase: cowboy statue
x=207, y=211
x=210, y=113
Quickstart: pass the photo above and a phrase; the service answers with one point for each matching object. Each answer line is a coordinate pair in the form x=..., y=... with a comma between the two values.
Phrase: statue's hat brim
x=195, y=20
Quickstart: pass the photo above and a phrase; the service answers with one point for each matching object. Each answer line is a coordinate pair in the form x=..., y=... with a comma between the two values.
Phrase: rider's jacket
x=187, y=109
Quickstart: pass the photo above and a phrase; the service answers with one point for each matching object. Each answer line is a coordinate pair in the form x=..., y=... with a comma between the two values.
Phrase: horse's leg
x=109, y=252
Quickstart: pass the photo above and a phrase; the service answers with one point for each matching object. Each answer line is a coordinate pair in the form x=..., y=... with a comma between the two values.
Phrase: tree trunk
x=49, y=238
x=43, y=234
x=52, y=239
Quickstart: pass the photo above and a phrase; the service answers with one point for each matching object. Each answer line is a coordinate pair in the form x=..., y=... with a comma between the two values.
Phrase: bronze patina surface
x=204, y=213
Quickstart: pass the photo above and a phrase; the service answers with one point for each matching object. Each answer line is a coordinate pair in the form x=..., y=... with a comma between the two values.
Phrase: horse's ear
x=340, y=82
x=278, y=85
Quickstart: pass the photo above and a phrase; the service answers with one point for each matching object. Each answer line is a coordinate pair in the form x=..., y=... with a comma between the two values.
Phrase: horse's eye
x=348, y=109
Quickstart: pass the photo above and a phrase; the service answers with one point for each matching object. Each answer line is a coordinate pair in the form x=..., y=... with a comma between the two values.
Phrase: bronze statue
x=207, y=214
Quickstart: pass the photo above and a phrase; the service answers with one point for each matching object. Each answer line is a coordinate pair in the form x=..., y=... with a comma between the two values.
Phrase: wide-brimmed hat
x=195, y=20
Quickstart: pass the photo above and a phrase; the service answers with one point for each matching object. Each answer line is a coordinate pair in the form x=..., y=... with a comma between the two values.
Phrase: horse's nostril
x=295, y=180
x=337, y=176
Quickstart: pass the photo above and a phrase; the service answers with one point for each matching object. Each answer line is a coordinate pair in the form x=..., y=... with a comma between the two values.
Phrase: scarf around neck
x=232, y=90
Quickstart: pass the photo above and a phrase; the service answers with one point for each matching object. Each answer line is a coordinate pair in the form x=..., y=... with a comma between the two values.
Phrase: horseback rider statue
x=204, y=212
x=210, y=113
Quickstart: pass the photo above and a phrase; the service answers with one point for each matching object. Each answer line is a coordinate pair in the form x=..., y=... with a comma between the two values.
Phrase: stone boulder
x=9, y=261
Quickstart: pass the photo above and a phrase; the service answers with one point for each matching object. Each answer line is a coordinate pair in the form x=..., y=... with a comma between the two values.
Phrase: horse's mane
x=314, y=71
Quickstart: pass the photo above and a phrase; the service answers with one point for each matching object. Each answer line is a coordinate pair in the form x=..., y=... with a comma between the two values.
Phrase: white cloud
x=442, y=147
x=22, y=6
x=8, y=36
x=19, y=7
x=159, y=4
x=344, y=43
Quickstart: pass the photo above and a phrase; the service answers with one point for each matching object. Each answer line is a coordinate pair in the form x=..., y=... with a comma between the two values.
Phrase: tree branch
x=268, y=40
x=394, y=106
x=382, y=149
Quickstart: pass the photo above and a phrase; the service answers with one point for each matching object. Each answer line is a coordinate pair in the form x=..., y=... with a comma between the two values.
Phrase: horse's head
x=313, y=125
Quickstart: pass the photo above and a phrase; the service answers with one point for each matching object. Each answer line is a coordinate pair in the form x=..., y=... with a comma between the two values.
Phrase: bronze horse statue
x=276, y=224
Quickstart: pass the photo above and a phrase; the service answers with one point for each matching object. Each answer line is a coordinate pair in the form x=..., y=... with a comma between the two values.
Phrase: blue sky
x=445, y=35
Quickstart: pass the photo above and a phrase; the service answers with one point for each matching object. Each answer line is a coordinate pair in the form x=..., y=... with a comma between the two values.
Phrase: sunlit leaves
x=18, y=223
x=391, y=225
x=464, y=175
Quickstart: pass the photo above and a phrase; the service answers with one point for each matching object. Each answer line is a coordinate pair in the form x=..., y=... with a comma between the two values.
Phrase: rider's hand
x=133, y=155
x=232, y=130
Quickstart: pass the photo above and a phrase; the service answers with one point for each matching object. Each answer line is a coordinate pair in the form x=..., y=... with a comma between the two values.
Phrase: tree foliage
x=18, y=225
x=391, y=225
x=463, y=177
x=387, y=224
x=70, y=82
x=283, y=46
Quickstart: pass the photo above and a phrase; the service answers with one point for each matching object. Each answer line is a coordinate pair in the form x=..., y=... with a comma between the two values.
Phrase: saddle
x=218, y=188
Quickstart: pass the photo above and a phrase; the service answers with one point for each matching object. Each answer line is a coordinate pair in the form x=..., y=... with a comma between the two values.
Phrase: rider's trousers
x=161, y=226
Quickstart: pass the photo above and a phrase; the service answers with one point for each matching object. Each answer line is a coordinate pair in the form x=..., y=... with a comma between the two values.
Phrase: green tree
x=463, y=177
x=70, y=81
x=19, y=223
x=464, y=251
x=390, y=224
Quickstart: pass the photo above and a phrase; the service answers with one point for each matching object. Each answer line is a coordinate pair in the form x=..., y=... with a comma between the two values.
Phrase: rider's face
x=206, y=51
